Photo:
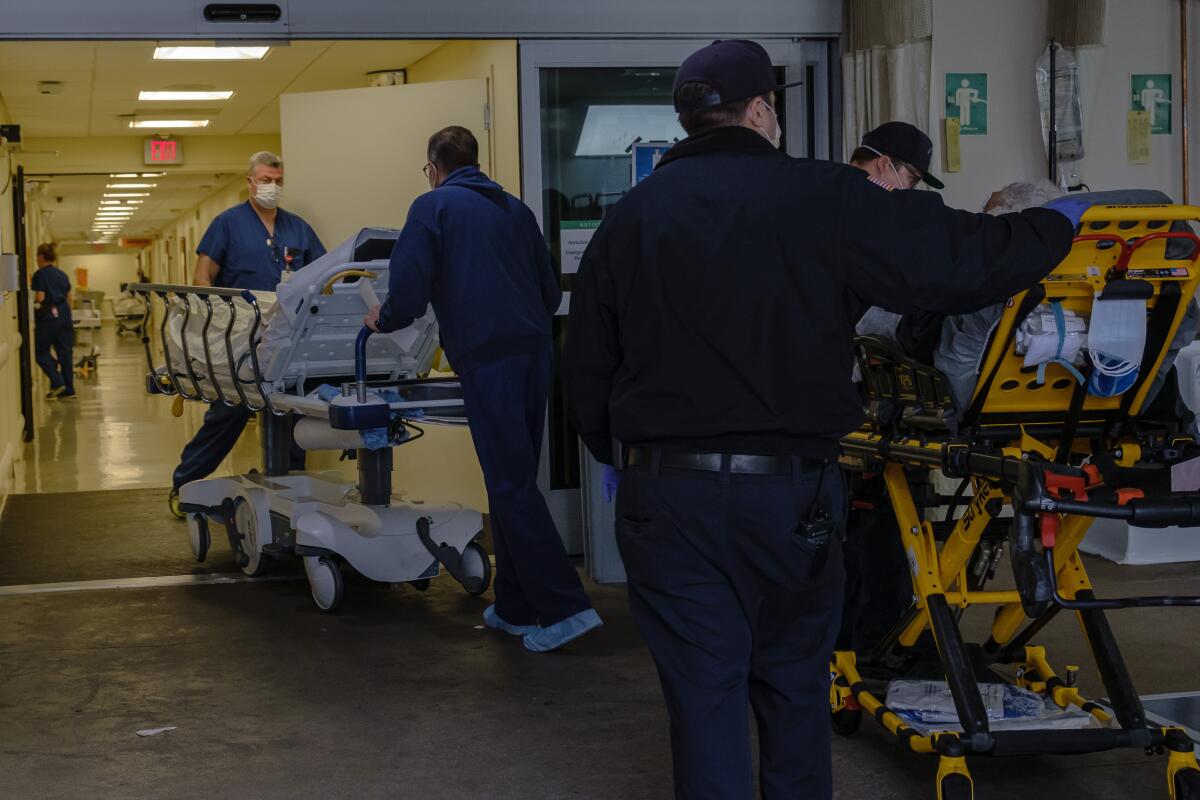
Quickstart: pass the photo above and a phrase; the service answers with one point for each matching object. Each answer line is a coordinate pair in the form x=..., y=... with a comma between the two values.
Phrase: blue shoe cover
x=494, y=621
x=555, y=636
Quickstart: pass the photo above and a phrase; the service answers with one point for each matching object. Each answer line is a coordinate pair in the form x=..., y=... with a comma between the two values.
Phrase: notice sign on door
x=966, y=101
x=1152, y=94
x=573, y=238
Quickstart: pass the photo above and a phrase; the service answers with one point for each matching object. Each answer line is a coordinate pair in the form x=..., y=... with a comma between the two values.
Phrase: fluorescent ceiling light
x=122, y=174
x=151, y=174
x=168, y=123
x=114, y=216
x=163, y=96
x=110, y=202
x=126, y=194
x=208, y=53
x=131, y=186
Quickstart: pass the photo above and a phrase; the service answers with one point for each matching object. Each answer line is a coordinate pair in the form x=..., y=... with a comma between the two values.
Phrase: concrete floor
x=401, y=694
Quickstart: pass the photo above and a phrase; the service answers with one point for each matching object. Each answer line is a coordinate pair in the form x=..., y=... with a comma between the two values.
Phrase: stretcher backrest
x=1114, y=243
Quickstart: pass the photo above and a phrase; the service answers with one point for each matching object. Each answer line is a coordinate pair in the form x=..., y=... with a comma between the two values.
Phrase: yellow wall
x=496, y=61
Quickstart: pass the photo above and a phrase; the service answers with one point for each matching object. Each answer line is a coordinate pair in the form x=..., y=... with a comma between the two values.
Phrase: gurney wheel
x=198, y=534
x=1187, y=784
x=846, y=721
x=477, y=564
x=325, y=581
x=420, y=585
x=956, y=786
x=245, y=523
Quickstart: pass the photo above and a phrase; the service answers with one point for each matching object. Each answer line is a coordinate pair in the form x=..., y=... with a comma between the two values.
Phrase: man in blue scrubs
x=476, y=253
x=250, y=246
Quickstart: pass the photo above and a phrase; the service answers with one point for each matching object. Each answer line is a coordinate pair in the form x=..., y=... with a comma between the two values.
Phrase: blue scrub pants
x=216, y=438
x=59, y=336
x=723, y=591
x=505, y=399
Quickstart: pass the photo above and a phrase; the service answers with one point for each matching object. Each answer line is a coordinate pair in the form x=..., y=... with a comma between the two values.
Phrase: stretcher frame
x=1019, y=446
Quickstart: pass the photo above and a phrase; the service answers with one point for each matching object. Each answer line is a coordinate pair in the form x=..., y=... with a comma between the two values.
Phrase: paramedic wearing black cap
x=708, y=356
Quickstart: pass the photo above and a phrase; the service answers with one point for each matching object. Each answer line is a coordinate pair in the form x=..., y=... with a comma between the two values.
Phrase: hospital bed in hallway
x=301, y=360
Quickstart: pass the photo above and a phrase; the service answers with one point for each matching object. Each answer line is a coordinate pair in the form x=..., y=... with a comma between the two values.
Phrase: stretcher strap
x=1060, y=322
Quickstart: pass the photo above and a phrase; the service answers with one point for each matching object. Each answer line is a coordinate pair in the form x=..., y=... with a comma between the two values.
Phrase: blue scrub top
x=55, y=283
x=249, y=257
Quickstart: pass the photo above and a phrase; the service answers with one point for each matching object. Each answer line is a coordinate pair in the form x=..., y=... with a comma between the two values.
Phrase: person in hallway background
x=250, y=246
x=52, y=323
x=477, y=254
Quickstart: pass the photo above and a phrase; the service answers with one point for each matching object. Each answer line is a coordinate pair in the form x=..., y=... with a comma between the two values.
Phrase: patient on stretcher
x=956, y=344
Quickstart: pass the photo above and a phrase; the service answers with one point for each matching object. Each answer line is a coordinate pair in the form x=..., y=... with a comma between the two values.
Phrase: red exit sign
x=162, y=151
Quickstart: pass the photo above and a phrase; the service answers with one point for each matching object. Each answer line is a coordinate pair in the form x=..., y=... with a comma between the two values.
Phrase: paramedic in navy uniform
x=476, y=254
x=249, y=246
x=711, y=336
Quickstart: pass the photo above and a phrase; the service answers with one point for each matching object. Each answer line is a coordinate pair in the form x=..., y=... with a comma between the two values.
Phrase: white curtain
x=885, y=71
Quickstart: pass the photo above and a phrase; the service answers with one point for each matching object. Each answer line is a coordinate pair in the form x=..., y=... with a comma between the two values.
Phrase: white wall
x=105, y=273
x=1004, y=40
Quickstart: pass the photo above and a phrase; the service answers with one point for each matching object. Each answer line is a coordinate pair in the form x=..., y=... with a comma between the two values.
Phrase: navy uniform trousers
x=57, y=335
x=505, y=398
x=724, y=592
x=217, y=436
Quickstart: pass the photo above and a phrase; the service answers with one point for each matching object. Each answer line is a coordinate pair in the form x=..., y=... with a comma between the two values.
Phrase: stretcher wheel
x=198, y=535
x=1187, y=784
x=245, y=526
x=173, y=504
x=420, y=585
x=477, y=564
x=846, y=721
x=325, y=581
x=956, y=786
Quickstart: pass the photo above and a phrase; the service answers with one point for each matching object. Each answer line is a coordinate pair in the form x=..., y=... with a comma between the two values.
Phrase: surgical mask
x=268, y=195
x=900, y=184
x=774, y=140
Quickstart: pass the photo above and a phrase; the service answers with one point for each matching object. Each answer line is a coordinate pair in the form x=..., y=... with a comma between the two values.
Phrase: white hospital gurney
x=302, y=356
x=129, y=309
x=85, y=319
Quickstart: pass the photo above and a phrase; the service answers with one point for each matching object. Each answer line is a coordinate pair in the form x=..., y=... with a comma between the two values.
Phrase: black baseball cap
x=735, y=68
x=906, y=143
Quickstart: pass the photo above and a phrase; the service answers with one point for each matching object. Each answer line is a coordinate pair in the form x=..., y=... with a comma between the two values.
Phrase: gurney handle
x=360, y=362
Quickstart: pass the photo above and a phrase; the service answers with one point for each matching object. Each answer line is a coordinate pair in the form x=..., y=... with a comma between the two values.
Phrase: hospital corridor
x=528, y=401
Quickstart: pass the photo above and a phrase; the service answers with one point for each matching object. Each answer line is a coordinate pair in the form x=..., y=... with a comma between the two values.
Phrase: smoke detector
x=50, y=87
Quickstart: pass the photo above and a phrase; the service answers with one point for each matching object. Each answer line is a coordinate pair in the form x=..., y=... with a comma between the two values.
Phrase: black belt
x=735, y=463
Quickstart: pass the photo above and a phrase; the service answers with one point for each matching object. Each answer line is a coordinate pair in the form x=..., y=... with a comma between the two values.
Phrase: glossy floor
x=113, y=435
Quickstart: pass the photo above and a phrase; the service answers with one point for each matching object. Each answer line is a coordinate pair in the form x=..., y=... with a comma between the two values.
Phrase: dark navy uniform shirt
x=251, y=258
x=55, y=283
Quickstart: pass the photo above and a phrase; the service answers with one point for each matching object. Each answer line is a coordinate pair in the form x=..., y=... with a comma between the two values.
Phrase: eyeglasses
x=425, y=169
x=912, y=172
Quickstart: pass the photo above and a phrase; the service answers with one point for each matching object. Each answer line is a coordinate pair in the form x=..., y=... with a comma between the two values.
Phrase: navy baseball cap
x=906, y=143
x=735, y=68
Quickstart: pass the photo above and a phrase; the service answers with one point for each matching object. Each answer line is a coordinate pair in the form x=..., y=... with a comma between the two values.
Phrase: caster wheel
x=477, y=564
x=1187, y=784
x=956, y=787
x=173, y=504
x=420, y=585
x=847, y=721
x=325, y=581
x=198, y=535
x=245, y=525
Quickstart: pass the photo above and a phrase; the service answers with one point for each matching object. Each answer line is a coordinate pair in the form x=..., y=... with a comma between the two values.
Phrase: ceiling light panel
x=168, y=123
x=153, y=97
x=194, y=53
x=131, y=185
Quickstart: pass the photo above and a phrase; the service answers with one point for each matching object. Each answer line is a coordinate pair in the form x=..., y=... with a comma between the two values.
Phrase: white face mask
x=268, y=195
x=774, y=140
